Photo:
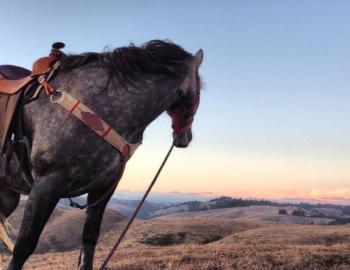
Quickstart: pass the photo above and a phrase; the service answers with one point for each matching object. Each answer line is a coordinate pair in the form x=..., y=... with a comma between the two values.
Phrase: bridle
x=178, y=116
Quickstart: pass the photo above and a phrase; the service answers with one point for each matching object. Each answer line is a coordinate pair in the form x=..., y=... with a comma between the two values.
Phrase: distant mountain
x=337, y=214
x=254, y=212
x=127, y=207
x=217, y=203
x=320, y=213
x=166, y=198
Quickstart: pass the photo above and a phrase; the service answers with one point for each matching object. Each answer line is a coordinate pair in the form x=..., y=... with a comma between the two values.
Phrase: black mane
x=128, y=63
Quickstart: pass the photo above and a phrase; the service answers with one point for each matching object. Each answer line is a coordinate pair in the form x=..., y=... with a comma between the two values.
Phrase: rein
x=116, y=245
x=178, y=127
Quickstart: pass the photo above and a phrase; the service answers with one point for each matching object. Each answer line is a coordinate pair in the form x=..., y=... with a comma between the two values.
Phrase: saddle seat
x=12, y=72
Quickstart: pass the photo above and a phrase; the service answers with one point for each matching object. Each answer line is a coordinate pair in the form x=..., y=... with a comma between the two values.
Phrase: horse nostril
x=190, y=137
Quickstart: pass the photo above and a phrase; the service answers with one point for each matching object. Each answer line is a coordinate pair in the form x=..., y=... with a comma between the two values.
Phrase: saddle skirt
x=14, y=145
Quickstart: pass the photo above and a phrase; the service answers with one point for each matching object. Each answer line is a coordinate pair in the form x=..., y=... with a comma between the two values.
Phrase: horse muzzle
x=182, y=139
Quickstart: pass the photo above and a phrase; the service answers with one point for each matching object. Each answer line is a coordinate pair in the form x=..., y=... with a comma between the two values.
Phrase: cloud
x=330, y=195
x=191, y=193
x=336, y=198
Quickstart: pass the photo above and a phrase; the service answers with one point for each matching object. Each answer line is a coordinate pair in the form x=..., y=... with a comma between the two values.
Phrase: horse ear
x=199, y=57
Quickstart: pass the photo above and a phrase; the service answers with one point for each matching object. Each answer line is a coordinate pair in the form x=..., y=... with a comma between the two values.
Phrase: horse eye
x=188, y=115
x=181, y=99
x=188, y=100
x=184, y=101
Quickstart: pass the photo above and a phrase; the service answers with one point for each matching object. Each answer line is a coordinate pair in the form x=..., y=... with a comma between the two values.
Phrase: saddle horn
x=56, y=49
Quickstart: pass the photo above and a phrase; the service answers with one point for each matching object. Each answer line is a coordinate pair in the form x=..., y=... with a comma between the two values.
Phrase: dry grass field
x=189, y=243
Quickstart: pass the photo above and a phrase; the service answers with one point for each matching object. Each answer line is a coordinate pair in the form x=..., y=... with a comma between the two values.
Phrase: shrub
x=299, y=213
x=282, y=212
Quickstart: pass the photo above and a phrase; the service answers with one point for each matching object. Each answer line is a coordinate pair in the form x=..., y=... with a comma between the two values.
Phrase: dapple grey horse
x=128, y=87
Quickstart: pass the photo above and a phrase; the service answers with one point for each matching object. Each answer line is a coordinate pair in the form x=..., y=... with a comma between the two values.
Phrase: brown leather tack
x=11, y=87
x=43, y=65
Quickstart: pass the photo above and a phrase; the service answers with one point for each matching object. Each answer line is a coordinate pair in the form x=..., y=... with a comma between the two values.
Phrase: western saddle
x=18, y=87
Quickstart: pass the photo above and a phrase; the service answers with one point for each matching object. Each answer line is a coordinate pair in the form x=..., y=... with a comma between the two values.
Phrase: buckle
x=41, y=79
x=56, y=96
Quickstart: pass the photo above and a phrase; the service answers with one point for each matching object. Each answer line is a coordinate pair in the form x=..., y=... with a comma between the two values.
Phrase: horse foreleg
x=94, y=215
x=8, y=203
x=41, y=202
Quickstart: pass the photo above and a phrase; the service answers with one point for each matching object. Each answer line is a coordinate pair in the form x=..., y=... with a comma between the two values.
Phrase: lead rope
x=116, y=245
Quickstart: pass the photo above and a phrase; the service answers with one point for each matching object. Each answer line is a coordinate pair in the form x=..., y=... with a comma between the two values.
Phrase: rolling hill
x=245, y=237
x=213, y=243
x=263, y=213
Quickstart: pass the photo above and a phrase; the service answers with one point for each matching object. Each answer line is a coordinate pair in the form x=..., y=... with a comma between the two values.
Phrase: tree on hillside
x=194, y=206
x=282, y=212
x=299, y=213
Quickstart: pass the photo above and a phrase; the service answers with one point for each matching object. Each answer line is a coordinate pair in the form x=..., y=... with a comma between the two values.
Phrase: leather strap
x=94, y=122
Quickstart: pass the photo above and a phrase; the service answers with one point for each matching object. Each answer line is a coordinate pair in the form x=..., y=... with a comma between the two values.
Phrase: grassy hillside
x=249, y=237
x=64, y=228
x=264, y=213
x=321, y=213
x=212, y=243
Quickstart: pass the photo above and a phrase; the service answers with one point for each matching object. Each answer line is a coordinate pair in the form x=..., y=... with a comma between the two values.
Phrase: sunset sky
x=274, y=116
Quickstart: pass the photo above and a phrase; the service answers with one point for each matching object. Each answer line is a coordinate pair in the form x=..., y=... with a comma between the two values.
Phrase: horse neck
x=128, y=107
x=138, y=105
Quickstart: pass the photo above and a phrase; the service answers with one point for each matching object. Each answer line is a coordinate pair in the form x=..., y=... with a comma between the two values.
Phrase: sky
x=273, y=118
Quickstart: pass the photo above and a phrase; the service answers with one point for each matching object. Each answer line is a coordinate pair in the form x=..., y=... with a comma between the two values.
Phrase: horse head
x=185, y=108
